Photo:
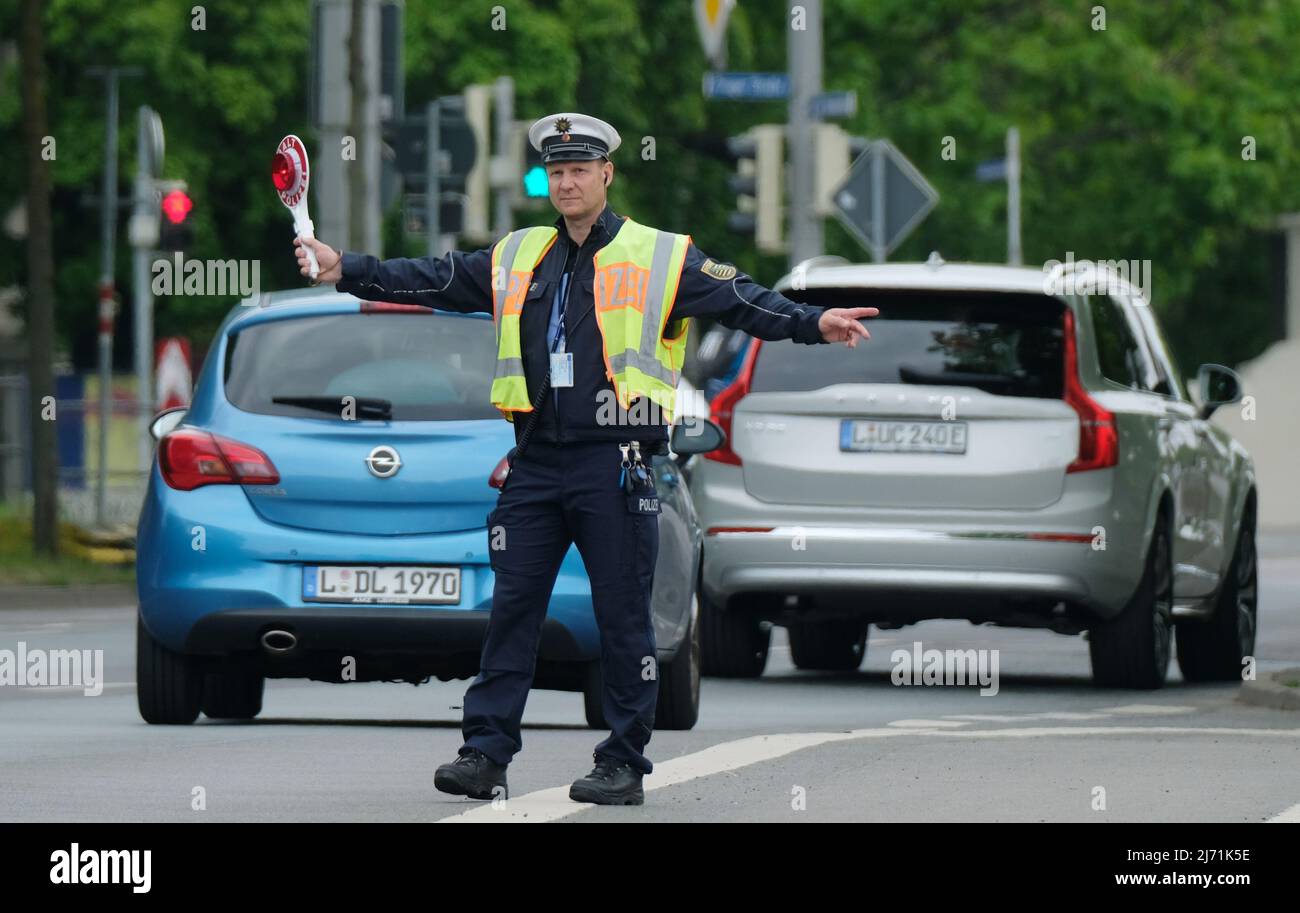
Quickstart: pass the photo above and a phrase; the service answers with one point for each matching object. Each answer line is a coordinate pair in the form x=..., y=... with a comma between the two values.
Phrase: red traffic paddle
x=290, y=173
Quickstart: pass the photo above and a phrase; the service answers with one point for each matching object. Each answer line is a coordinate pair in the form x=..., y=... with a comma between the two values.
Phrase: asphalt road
x=792, y=746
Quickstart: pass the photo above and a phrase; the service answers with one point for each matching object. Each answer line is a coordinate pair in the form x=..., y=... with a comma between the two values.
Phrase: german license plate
x=402, y=584
x=879, y=436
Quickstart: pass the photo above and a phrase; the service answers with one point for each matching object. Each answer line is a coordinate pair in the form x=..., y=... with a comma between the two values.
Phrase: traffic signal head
x=759, y=185
x=535, y=183
x=175, y=229
x=529, y=182
x=176, y=206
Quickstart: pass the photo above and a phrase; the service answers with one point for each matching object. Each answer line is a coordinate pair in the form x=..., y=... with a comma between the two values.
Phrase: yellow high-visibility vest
x=637, y=274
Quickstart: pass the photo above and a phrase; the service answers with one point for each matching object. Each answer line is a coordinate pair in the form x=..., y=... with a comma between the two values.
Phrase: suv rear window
x=1004, y=343
x=429, y=366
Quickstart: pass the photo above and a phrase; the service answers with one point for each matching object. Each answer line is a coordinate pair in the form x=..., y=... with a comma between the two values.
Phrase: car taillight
x=189, y=458
x=1098, y=435
x=498, y=476
x=724, y=404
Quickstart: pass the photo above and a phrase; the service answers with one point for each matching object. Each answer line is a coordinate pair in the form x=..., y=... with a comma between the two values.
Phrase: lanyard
x=563, y=295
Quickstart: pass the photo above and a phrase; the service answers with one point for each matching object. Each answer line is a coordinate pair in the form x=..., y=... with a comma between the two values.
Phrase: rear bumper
x=392, y=644
x=739, y=577
x=208, y=569
x=387, y=631
x=920, y=563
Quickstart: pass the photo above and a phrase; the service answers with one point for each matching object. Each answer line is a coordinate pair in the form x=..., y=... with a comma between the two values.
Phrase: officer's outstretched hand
x=329, y=260
x=842, y=324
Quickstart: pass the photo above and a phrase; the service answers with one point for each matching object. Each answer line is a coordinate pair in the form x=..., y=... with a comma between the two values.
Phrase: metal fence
x=78, y=431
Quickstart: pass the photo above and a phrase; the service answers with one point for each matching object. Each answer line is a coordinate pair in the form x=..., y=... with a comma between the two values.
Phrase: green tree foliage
x=226, y=94
x=1132, y=135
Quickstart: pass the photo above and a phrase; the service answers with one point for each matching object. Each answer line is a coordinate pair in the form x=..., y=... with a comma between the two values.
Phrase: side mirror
x=1218, y=386
x=696, y=435
x=166, y=421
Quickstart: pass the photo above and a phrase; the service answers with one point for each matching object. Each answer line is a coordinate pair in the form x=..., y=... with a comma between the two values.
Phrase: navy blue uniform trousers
x=558, y=494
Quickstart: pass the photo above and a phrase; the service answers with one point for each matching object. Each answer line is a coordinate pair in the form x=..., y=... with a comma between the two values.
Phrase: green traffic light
x=535, y=182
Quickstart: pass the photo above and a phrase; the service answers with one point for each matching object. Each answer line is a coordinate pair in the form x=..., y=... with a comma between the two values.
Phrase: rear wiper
x=366, y=406
x=909, y=375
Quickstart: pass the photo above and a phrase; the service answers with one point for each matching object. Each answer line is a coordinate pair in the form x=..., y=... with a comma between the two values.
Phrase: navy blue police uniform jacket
x=587, y=411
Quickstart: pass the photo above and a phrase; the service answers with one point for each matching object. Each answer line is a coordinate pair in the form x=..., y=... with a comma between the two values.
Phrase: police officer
x=591, y=315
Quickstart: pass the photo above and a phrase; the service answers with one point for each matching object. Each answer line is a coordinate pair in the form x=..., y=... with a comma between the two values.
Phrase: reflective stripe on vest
x=637, y=275
x=514, y=258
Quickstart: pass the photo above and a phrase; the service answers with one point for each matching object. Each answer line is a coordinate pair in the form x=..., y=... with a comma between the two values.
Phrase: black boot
x=472, y=774
x=612, y=782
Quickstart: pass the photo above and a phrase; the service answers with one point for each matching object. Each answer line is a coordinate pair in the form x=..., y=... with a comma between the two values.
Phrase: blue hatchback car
x=319, y=511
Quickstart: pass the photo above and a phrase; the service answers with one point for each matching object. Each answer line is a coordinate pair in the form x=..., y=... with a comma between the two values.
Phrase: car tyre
x=678, y=706
x=233, y=694
x=168, y=685
x=732, y=644
x=828, y=646
x=1132, y=650
x=1214, y=649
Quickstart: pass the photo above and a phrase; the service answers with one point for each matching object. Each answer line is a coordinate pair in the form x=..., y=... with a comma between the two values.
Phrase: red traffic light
x=176, y=206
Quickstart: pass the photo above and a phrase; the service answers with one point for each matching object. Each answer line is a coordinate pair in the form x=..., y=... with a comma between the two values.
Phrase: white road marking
x=63, y=689
x=1049, y=731
x=1148, y=709
x=1290, y=816
x=554, y=803
x=926, y=724
x=1061, y=715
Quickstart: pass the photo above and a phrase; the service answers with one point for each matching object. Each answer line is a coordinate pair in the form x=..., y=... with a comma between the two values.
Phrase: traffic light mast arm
x=718, y=290
x=458, y=281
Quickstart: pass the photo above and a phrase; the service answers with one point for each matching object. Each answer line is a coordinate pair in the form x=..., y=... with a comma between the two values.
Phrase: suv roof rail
x=822, y=260
x=1101, y=269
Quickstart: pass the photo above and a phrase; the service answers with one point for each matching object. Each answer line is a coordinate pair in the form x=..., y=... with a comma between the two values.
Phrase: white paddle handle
x=304, y=228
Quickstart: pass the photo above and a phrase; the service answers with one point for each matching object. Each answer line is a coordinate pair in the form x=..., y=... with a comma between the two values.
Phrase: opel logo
x=383, y=462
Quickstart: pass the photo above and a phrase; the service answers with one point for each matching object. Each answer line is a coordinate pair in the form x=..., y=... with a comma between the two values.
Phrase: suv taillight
x=1098, y=435
x=724, y=404
x=189, y=458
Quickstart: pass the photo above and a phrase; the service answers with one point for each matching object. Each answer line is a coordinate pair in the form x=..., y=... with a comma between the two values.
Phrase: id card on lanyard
x=561, y=369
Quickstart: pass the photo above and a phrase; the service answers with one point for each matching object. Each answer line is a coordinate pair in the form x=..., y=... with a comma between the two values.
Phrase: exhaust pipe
x=279, y=641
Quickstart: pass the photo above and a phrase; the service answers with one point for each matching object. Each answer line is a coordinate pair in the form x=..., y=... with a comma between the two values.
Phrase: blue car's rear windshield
x=429, y=366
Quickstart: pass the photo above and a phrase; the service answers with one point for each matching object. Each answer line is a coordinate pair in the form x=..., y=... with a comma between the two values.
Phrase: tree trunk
x=40, y=283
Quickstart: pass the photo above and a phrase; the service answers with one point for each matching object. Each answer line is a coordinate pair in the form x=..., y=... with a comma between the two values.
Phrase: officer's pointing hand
x=329, y=260
x=842, y=324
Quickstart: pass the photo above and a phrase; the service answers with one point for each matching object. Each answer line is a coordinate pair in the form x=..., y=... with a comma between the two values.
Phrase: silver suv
x=999, y=451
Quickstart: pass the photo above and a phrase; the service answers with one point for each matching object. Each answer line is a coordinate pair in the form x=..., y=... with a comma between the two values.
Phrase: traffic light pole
x=432, y=179
x=144, y=238
x=504, y=113
x=108, y=240
x=1014, y=255
x=805, y=62
x=108, y=232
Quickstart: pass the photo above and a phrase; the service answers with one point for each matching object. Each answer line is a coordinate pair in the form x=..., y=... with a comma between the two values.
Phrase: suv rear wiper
x=367, y=406
x=909, y=375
